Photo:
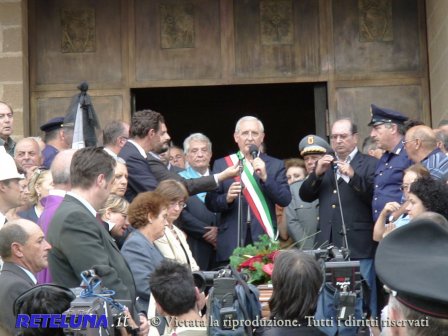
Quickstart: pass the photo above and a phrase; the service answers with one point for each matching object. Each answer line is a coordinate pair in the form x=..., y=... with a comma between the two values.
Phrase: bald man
x=27, y=154
x=25, y=252
x=421, y=145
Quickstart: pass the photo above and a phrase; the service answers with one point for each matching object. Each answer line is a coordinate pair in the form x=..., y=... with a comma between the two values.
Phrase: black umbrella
x=81, y=115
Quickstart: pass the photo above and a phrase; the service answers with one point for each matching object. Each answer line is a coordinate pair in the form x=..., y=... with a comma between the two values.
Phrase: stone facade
x=437, y=27
x=13, y=62
x=14, y=81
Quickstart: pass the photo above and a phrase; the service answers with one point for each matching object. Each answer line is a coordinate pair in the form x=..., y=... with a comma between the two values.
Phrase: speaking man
x=265, y=185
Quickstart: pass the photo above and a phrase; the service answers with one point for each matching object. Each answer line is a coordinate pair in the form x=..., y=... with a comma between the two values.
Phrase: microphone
x=253, y=151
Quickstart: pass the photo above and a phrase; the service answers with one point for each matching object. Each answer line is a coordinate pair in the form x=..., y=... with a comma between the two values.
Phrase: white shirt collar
x=31, y=275
x=207, y=173
x=84, y=202
x=2, y=220
x=111, y=153
x=350, y=157
x=139, y=148
x=57, y=192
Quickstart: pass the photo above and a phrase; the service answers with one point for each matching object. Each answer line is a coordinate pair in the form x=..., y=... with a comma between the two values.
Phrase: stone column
x=437, y=27
x=14, y=81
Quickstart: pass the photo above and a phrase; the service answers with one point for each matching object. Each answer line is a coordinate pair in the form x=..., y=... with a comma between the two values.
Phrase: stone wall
x=14, y=62
x=437, y=28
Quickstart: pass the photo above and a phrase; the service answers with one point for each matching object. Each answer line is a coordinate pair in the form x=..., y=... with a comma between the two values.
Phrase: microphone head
x=253, y=150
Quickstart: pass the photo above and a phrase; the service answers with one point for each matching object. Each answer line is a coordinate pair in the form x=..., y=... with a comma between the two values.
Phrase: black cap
x=53, y=124
x=313, y=144
x=381, y=115
x=412, y=261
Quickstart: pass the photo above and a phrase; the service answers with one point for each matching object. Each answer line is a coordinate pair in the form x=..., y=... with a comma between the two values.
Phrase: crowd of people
x=146, y=214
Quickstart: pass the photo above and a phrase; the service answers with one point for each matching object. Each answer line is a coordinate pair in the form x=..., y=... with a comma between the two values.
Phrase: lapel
x=12, y=268
x=105, y=234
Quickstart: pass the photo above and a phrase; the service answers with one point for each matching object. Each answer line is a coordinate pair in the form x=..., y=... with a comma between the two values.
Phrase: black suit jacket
x=356, y=200
x=146, y=173
x=193, y=220
x=13, y=282
x=79, y=242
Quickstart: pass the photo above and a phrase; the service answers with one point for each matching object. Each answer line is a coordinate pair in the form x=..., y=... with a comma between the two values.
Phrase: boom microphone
x=253, y=151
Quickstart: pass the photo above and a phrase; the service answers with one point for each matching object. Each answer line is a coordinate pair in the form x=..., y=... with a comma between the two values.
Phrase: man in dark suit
x=265, y=185
x=148, y=133
x=79, y=240
x=24, y=251
x=196, y=220
x=354, y=174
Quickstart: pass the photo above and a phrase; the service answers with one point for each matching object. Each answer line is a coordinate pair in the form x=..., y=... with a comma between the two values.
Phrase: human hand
x=233, y=192
x=229, y=172
x=260, y=168
x=323, y=164
x=211, y=235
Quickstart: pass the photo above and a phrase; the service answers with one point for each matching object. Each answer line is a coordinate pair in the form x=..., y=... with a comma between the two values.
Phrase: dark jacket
x=13, y=282
x=356, y=199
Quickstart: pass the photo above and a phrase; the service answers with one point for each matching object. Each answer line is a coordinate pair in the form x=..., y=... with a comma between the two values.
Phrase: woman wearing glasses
x=173, y=244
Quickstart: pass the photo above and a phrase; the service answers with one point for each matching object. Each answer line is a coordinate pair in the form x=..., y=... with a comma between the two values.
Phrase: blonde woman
x=173, y=245
x=39, y=185
x=115, y=214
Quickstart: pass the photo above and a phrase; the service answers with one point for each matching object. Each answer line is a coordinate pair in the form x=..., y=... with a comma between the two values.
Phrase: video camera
x=94, y=300
x=342, y=278
x=230, y=300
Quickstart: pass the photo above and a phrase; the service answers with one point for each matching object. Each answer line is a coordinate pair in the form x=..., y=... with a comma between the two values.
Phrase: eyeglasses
x=404, y=142
x=342, y=136
x=180, y=204
x=405, y=187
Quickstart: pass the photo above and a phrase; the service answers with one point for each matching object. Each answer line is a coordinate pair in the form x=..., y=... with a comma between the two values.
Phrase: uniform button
x=334, y=191
x=376, y=185
x=376, y=198
x=386, y=164
x=376, y=211
x=381, y=174
x=333, y=206
x=318, y=218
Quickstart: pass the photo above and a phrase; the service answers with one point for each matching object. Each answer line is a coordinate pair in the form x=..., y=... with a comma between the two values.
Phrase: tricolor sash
x=253, y=194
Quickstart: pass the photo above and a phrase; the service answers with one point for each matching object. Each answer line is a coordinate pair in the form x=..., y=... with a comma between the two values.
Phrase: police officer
x=387, y=131
x=58, y=136
x=302, y=217
x=412, y=263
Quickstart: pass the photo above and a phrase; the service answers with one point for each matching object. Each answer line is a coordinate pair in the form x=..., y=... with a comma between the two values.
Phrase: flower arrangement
x=256, y=260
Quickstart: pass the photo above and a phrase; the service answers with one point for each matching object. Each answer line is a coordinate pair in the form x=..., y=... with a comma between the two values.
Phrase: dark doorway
x=288, y=112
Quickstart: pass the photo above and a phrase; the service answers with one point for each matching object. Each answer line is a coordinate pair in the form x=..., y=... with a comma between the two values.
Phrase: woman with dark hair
x=395, y=214
x=173, y=244
x=147, y=214
x=296, y=280
x=427, y=194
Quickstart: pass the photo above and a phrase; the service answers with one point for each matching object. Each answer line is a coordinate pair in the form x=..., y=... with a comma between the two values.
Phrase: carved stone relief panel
x=367, y=40
x=276, y=22
x=277, y=38
x=177, y=25
x=375, y=20
x=78, y=30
